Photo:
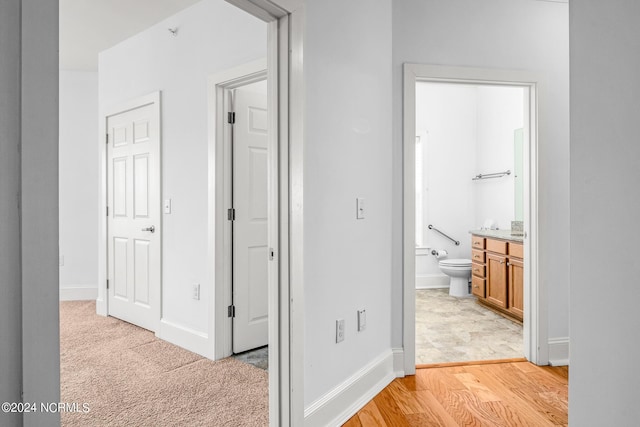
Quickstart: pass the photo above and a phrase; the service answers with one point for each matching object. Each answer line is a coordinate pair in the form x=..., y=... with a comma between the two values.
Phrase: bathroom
x=464, y=132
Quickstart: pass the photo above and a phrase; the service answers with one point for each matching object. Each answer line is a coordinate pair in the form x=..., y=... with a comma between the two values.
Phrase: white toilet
x=459, y=271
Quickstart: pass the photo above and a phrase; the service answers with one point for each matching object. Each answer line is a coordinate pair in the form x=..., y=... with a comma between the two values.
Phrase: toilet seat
x=455, y=262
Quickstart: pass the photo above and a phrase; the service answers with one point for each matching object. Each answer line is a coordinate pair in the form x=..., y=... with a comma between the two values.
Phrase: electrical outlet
x=362, y=320
x=339, y=330
x=196, y=291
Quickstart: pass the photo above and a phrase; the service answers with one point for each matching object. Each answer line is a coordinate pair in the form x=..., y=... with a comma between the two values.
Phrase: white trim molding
x=79, y=293
x=187, y=338
x=342, y=402
x=559, y=351
x=432, y=281
x=398, y=362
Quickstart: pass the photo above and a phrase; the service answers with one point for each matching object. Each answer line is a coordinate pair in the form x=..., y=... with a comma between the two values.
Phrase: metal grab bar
x=491, y=175
x=431, y=227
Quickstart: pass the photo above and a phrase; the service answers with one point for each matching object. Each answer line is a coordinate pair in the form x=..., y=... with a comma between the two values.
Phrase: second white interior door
x=134, y=228
x=250, y=250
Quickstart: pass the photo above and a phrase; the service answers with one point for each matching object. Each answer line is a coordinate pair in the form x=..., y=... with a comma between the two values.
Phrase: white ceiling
x=90, y=26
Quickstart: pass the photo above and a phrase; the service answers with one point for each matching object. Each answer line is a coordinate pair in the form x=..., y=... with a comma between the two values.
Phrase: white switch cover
x=359, y=208
x=167, y=206
x=362, y=320
x=196, y=291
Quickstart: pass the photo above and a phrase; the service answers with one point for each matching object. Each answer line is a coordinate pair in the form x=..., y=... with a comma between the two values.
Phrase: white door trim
x=535, y=328
x=285, y=92
x=219, y=87
x=154, y=98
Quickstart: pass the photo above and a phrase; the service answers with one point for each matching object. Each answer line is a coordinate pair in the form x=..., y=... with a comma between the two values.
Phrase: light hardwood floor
x=500, y=394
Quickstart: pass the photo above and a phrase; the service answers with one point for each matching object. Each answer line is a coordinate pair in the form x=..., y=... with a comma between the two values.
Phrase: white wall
x=449, y=114
x=79, y=183
x=512, y=34
x=10, y=188
x=469, y=130
x=212, y=36
x=29, y=331
x=500, y=113
x=347, y=155
x=605, y=208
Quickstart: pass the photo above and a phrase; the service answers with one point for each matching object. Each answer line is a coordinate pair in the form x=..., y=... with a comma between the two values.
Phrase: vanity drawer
x=516, y=250
x=477, y=286
x=477, y=256
x=477, y=242
x=497, y=246
x=478, y=269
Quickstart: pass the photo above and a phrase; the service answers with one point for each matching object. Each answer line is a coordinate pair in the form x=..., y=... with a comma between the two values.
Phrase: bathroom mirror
x=518, y=171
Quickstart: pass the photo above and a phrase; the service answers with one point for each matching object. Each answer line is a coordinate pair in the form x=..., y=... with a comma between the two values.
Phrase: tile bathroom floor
x=258, y=357
x=450, y=329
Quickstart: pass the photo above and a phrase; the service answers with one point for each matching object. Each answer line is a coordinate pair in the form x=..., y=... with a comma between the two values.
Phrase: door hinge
x=231, y=311
x=231, y=117
x=107, y=210
x=107, y=283
x=231, y=214
x=106, y=139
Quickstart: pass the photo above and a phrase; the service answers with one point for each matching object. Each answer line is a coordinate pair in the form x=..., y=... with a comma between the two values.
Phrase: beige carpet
x=130, y=378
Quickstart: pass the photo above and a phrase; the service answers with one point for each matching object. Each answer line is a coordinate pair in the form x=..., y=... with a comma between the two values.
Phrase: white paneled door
x=250, y=251
x=134, y=222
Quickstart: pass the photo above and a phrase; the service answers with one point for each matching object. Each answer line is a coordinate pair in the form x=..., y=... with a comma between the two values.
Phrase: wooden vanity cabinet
x=497, y=274
x=516, y=287
x=497, y=279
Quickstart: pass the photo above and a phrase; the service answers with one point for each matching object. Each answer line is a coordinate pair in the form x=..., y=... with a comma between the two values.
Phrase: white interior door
x=134, y=228
x=250, y=251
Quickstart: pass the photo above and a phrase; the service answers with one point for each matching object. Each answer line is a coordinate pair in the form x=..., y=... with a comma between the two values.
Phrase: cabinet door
x=516, y=287
x=497, y=280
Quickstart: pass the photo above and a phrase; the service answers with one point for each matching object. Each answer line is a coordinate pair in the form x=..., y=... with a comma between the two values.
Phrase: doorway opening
x=194, y=291
x=534, y=330
x=239, y=103
x=469, y=161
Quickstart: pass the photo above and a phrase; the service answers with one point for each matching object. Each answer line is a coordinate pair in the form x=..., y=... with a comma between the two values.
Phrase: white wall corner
x=398, y=362
x=559, y=351
x=341, y=403
x=187, y=338
x=79, y=293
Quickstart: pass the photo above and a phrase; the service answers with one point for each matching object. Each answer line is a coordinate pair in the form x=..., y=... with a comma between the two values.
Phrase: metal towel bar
x=491, y=175
x=431, y=227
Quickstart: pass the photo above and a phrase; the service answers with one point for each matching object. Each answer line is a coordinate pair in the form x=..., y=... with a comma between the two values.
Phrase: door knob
x=151, y=229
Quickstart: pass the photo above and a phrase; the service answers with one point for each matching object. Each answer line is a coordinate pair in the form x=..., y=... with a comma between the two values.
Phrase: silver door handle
x=151, y=229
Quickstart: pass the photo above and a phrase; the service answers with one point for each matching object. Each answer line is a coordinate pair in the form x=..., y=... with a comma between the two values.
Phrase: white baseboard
x=398, y=362
x=187, y=338
x=341, y=403
x=432, y=281
x=78, y=293
x=101, y=307
x=559, y=351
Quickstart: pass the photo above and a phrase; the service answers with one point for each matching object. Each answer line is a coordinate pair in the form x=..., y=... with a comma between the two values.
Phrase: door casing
x=535, y=327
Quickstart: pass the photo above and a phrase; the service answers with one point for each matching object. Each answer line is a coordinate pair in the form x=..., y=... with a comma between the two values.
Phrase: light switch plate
x=167, y=206
x=359, y=208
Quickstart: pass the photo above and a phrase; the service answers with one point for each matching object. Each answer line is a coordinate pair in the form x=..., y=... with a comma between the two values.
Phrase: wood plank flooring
x=500, y=394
